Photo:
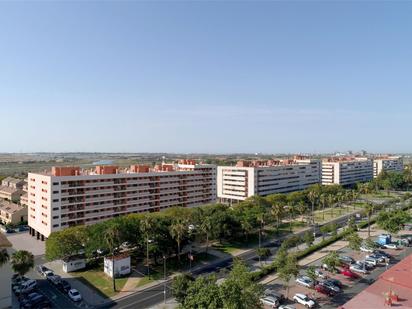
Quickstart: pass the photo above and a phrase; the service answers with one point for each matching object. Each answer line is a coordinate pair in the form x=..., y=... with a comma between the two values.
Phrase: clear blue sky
x=206, y=76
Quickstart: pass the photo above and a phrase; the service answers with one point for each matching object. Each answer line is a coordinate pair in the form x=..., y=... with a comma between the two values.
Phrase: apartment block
x=69, y=196
x=248, y=178
x=346, y=171
x=387, y=164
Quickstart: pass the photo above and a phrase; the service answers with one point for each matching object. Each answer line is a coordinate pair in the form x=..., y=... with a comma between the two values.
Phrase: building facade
x=248, y=178
x=11, y=213
x=346, y=171
x=387, y=164
x=69, y=196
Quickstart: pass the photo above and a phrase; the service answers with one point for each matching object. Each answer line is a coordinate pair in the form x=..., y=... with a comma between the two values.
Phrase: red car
x=324, y=290
x=348, y=273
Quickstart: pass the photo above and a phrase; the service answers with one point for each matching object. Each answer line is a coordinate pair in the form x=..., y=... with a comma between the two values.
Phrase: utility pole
x=147, y=257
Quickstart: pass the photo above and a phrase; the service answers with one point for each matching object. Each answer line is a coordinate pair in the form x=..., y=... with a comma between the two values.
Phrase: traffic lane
x=143, y=299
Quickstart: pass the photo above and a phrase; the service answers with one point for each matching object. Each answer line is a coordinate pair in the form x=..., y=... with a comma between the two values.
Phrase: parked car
x=48, y=273
x=74, y=295
x=371, y=261
x=270, y=301
x=126, y=245
x=18, y=280
x=324, y=290
x=391, y=246
x=382, y=253
x=54, y=279
x=304, y=300
x=27, y=300
x=364, y=248
x=347, y=260
x=39, y=301
x=377, y=257
x=102, y=251
x=358, y=269
x=25, y=287
x=348, y=273
x=41, y=269
x=286, y=307
x=320, y=274
x=364, y=265
x=332, y=285
x=305, y=281
x=64, y=286
x=275, y=294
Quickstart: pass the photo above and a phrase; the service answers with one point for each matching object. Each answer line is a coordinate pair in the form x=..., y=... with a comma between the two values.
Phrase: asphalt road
x=155, y=294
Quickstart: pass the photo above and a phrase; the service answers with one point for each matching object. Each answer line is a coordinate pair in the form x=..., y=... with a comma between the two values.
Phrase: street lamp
x=164, y=278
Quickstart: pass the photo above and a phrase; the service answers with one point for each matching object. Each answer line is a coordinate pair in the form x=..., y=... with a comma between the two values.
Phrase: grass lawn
x=334, y=213
x=98, y=280
x=378, y=195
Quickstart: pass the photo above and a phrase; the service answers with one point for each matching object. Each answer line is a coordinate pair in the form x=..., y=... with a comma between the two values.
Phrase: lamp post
x=164, y=278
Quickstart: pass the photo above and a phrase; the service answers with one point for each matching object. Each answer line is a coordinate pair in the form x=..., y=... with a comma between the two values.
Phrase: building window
x=55, y=225
x=55, y=192
x=55, y=200
x=55, y=217
x=55, y=183
x=55, y=208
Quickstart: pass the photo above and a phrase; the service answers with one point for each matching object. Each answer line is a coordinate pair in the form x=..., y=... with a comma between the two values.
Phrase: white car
x=305, y=281
x=358, y=269
x=304, y=300
x=391, y=246
x=378, y=258
x=270, y=301
x=286, y=307
x=48, y=273
x=74, y=295
x=366, y=249
x=371, y=261
x=320, y=274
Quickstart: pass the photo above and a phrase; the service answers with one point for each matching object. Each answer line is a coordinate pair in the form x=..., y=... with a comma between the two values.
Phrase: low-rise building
x=387, y=164
x=69, y=196
x=13, y=183
x=120, y=263
x=248, y=178
x=11, y=213
x=10, y=193
x=346, y=171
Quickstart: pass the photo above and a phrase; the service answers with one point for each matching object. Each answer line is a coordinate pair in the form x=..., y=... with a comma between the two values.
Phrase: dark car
x=335, y=282
x=33, y=301
x=324, y=290
x=64, y=286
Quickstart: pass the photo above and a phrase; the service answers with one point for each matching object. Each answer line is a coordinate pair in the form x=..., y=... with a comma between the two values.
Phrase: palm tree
x=277, y=212
x=312, y=197
x=22, y=261
x=369, y=208
x=112, y=238
x=323, y=199
x=331, y=201
x=146, y=228
x=178, y=230
x=206, y=227
x=4, y=257
x=302, y=208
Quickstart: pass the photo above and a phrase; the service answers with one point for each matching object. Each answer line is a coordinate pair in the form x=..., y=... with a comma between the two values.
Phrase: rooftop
x=9, y=207
x=182, y=165
x=396, y=280
x=344, y=159
x=8, y=189
x=270, y=163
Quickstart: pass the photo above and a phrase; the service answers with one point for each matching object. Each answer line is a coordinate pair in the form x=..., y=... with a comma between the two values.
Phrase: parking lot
x=350, y=286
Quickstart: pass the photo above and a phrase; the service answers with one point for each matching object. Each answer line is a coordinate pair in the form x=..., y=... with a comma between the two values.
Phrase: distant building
x=387, y=164
x=11, y=213
x=248, y=178
x=69, y=196
x=13, y=183
x=346, y=171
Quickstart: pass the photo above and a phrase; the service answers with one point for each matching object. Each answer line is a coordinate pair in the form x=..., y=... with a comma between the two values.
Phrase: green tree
x=239, y=290
x=392, y=221
x=178, y=230
x=308, y=238
x=352, y=224
x=310, y=272
x=112, y=238
x=263, y=253
x=65, y=243
x=180, y=284
x=313, y=197
x=323, y=199
x=4, y=257
x=288, y=270
x=203, y=293
x=277, y=202
x=147, y=229
x=332, y=261
x=22, y=261
x=354, y=240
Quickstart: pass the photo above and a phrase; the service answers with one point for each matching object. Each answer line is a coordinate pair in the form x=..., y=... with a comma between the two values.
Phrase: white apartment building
x=69, y=196
x=387, y=164
x=237, y=183
x=346, y=171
